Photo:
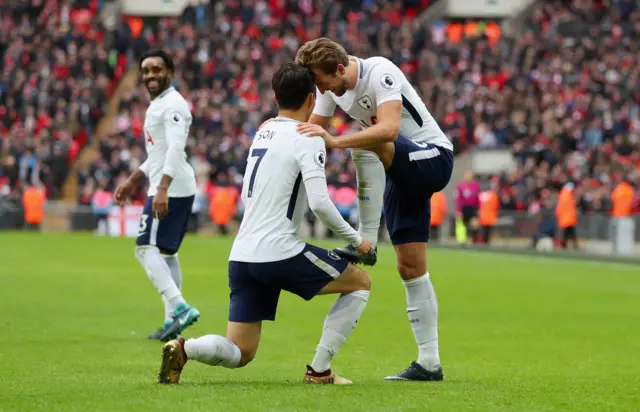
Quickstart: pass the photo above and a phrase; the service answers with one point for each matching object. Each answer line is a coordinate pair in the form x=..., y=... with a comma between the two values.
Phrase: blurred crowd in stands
x=562, y=93
x=58, y=67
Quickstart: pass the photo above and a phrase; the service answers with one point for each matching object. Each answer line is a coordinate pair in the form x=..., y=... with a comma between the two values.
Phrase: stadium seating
x=225, y=58
x=564, y=104
x=59, y=66
x=562, y=94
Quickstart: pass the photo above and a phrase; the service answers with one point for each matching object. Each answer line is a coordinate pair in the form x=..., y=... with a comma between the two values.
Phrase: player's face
x=334, y=82
x=155, y=75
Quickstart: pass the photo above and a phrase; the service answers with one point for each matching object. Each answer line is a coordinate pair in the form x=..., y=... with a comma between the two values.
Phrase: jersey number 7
x=259, y=153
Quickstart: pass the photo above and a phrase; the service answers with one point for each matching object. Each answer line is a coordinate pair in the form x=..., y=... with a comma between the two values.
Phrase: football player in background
x=172, y=188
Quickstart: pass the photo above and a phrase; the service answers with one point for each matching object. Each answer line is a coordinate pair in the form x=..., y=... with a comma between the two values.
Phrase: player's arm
x=323, y=110
x=321, y=205
x=386, y=85
x=311, y=156
x=321, y=121
x=176, y=134
x=384, y=131
x=126, y=189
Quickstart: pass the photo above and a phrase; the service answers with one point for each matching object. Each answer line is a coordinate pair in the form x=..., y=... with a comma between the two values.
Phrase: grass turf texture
x=521, y=334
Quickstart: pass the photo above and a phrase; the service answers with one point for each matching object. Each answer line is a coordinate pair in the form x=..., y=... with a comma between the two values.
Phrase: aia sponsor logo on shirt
x=148, y=138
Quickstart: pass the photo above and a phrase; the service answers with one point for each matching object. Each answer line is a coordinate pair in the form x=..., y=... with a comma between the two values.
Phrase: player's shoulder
x=176, y=101
x=378, y=64
x=279, y=132
x=282, y=126
x=171, y=104
x=382, y=72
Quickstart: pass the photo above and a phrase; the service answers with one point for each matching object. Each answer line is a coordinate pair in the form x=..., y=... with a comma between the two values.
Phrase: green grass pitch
x=516, y=333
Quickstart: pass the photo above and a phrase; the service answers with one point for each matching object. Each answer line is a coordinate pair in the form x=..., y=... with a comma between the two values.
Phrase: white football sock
x=213, y=350
x=422, y=308
x=174, y=266
x=160, y=274
x=341, y=319
x=176, y=275
x=168, y=313
x=371, y=183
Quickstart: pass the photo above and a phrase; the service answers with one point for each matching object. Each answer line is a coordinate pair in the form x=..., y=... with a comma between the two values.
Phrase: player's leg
x=251, y=302
x=353, y=287
x=176, y=273
x=235, y=350
x=370, y=168
x=317, y=271
x=408, y=225
x=422, y=311
x=486, y=234
x=171, y=239
x=371, y=179
x=157, y=242
x=573, y=236
x=150, y=258
x=417, y=171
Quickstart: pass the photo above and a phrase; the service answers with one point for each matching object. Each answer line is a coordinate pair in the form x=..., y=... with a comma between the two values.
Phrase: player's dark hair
x=166, y=58
x=292, y=84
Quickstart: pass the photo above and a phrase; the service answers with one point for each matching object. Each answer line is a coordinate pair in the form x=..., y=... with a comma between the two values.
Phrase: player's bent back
x=274, y=194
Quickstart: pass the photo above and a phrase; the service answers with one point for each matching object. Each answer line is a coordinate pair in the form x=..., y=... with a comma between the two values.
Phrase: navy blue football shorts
x=255, y=287
x=418, y=171
x=167, y=234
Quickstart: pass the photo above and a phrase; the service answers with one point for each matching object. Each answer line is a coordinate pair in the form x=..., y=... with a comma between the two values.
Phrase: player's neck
x=160, y=93
x=298, y=115
x=352, y=73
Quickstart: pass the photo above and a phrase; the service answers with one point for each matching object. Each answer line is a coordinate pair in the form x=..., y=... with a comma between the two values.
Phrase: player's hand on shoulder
x=313, y=130
x=364, y=247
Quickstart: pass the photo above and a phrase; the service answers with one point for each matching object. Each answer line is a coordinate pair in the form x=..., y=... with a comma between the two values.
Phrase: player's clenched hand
x=364, y=247
x=311, y=130
x=123, y=192
x=160, y=204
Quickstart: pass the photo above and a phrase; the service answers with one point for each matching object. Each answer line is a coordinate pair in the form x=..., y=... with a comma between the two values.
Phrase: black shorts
x=468, y=213
x=418, y=171
x=569, y=233
x=168, y=233
x=255, y=287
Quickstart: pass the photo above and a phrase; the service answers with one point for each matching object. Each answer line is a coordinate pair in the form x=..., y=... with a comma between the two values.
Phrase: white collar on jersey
x=285, y=119
x=164, y=93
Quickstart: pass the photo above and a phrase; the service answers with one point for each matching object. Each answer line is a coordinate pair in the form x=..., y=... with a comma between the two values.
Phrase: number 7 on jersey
x=259, y=153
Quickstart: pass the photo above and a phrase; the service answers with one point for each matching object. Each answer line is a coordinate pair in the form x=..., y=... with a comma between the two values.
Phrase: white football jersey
x=380, y=81
x=166, y=128
x=280, y=160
